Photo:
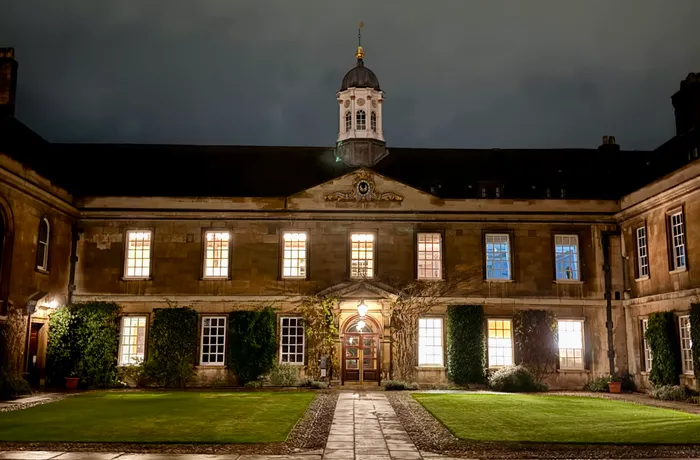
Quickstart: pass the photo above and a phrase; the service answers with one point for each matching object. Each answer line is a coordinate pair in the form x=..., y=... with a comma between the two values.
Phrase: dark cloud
x=496, y=73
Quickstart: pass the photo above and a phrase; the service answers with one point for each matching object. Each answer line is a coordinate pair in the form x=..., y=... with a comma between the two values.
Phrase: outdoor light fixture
x=53, y=304
x=362, y=308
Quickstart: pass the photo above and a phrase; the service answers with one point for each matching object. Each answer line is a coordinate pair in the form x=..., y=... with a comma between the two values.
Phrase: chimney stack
x=609, y=144
x=686, y=104
x=8, y=81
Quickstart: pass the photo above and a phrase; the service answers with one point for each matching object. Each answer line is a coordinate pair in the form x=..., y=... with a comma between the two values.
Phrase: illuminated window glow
x=216, y=254
x=132, y=340
x=292, y=341
x=500, y=343
x=648, y=358
x=138, y=254
x=429, y=256
x=213, y=341
x=362, y=255
x=686, y=345
x=497, y=256
x=430, y=342
x=294, y=255
x=566, y=257
x=570, y=344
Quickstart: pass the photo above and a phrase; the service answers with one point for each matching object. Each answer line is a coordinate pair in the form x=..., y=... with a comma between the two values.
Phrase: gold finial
x=360, y=53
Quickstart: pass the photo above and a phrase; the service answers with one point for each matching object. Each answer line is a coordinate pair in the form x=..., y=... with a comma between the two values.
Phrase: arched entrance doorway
x=361, y=351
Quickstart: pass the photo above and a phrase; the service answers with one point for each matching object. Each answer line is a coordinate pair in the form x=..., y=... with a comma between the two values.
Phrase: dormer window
x=373, y=121
x=361, y=120
x=348, y=122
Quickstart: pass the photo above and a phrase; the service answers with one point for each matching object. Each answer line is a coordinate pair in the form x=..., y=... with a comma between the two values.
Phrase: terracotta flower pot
x=615, y=387
x=72, y=383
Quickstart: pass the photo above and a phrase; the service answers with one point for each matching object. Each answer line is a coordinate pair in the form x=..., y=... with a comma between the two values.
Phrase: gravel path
x=308, y=434
x=431, y=436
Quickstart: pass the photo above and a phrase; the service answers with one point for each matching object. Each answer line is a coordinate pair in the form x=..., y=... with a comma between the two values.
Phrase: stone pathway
x=365, y=427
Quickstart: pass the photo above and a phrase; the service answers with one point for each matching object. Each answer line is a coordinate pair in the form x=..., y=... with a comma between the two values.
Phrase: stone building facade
x=230, y=228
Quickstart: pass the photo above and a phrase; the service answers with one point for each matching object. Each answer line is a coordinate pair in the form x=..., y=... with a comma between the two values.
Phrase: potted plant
x=72, y=381
x=615, y=384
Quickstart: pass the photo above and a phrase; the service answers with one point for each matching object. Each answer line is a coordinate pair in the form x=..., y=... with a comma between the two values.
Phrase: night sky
x=486, y=74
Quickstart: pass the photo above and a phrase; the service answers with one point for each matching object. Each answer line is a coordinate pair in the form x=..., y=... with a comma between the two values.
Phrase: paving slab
x=88, y=456
x=28, y=455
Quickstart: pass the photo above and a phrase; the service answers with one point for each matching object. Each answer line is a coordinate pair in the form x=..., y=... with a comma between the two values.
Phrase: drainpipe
x=73, y=261
x=608, y=296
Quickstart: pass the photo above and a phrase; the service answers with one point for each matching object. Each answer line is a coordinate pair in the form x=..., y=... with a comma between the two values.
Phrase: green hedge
x=663, y=344
x=83, y=342
x=536, y=339
x=252, y=343
x=695, y=337
x=11, y=386
x=172, y=346
x=466, y=351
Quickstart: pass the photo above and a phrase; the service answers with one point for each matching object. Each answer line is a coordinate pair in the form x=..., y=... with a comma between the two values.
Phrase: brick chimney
x=609, y=144
x=686, y=103
x=8, y=81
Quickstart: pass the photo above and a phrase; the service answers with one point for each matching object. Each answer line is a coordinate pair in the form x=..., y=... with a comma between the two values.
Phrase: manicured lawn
x=559, y=419
x=167, y=417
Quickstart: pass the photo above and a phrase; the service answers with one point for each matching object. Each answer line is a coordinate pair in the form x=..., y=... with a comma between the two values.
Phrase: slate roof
x=266, y=171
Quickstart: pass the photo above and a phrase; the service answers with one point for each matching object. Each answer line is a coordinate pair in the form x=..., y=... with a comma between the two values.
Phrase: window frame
x=373, y=121
x=280, y=353
x=416, y=241
x=579, y=254
x=687, y=369
x=672, y=259
x=348, y=118
x=121, y=335
x=361, y=126
x=44, y=266
x=498, y=232
x=442, y=342
x=307, y=247
x=349, y=254
x=125, y=254
x=582, y=367
x=488, y=347
x=203, y=271
x=201, y=341
x=647, y=359
x=639, y=265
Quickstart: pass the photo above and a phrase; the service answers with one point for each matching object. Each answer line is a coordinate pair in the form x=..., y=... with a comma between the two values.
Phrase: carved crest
x=363, y=189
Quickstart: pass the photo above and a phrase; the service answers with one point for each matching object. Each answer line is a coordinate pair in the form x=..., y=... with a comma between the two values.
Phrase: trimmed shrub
x=83, y=342
x=466, y=351
x=536, y=339
x=318, y=385
x=252, y=343
x=172, y=346
x=284, y=375
x=11, y=386
x=399, y=385
x=670, y=393
x=254, y=384
x=515, y=379
x=695, y=339
x=599, y=385
x=663, y=343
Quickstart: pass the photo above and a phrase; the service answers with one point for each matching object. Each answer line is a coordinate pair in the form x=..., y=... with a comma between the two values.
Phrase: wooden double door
x=361, y=358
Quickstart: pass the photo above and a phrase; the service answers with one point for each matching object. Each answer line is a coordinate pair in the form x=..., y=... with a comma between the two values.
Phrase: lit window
x=645, y=346
x=348, y=122
x=677, y=241
x=292, y=341
x=483, y=192
x=570, y=334
x=362, y=255
x=294, y=257
x=500, y=343
x=132, y=340
x=642, y=252
x=213, y=340
x=497, y=192
x=373, y=121
x=430, y=342
x=138, y=254
x=361, y=120
x=566, y=257
x=686, y=344
x=216, y=254
x=42, y=246
x=429, y=256
x=497, y=256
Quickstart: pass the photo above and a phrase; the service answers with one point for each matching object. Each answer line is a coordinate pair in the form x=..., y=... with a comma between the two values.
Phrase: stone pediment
x=360, y=290
x=362, y=187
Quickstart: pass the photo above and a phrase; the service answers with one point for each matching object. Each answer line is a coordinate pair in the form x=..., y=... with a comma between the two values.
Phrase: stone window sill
x=498, y=281
x=568, y=282
x=643, y=278
x=573, y=371
x=678, y=270
x=124, y=278
x=431, y=368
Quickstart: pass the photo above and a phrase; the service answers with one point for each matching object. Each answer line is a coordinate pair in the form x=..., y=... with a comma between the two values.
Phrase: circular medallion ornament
x=374, y=104
x=347, y=104
x=360, y=102
x=364, y=188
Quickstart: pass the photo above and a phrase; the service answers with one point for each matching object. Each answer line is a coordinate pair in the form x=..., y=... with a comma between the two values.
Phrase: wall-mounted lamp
x=362, y=308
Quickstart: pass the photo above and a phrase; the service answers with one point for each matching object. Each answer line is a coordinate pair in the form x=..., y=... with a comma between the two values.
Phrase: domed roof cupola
x=360, y=76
